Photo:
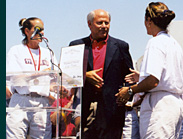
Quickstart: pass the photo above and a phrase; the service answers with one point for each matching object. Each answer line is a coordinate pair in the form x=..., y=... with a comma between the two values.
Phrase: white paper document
x=71, y=64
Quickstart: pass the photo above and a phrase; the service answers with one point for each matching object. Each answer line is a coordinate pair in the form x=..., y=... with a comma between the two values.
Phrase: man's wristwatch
x=130, y=91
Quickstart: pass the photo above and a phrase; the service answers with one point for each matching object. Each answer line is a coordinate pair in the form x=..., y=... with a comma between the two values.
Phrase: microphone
x=36, y=31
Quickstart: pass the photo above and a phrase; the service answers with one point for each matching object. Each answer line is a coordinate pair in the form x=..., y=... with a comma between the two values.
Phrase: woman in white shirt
x=29, y=56
x=161, y=77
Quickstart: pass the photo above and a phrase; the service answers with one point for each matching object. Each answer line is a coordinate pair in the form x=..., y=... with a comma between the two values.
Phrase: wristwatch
x=130, y=91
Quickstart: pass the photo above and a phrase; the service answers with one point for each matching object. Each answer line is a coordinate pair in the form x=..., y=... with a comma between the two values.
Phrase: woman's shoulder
x=160, y=42
x=16, y=48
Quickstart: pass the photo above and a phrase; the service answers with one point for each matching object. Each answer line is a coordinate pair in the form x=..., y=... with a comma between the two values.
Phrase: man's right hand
x=132, y=77
x=94, y=78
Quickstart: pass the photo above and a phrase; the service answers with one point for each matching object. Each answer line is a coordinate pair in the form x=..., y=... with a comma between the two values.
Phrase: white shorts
x=160, y=116
x=19, y=122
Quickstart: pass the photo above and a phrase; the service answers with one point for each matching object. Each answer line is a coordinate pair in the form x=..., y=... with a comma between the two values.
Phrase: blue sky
x=65, y=20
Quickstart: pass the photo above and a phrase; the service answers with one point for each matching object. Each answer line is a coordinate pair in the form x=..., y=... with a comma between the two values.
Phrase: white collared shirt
x=163, y=58
x=19, y=59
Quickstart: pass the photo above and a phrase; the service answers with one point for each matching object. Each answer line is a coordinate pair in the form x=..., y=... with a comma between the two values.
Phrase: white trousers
x=161, y=116
x=19, y=122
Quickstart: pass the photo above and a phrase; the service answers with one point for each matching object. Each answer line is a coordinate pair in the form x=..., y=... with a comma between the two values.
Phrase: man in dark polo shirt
x=108, y=63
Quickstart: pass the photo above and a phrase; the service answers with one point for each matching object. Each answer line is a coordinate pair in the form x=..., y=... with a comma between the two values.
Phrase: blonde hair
x=159, y=14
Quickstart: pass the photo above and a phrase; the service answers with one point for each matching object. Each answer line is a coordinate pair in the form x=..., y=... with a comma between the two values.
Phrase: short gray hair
x=91, y=16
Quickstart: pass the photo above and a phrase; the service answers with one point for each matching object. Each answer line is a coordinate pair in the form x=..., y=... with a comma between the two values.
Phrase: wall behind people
x=176, y=30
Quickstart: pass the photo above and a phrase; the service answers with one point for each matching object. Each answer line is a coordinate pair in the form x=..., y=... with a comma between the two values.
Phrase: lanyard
x=34, y=60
